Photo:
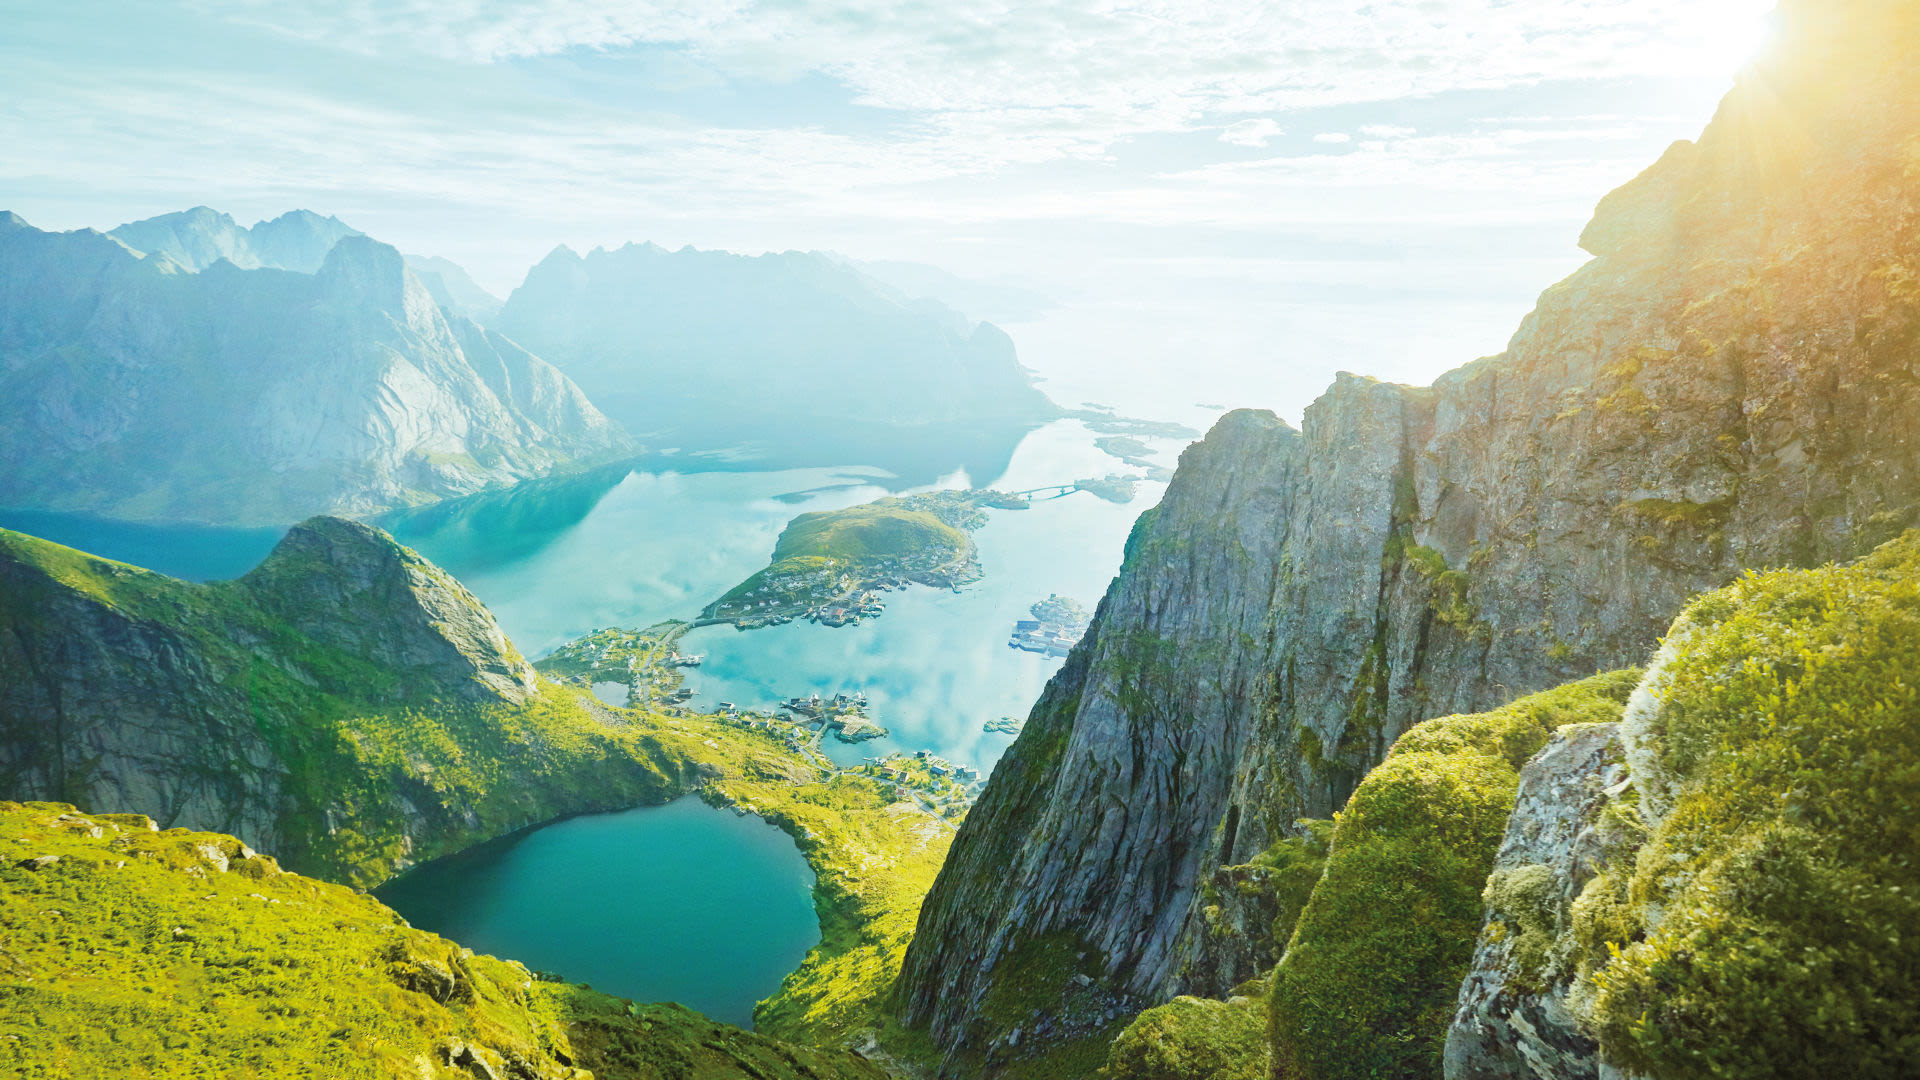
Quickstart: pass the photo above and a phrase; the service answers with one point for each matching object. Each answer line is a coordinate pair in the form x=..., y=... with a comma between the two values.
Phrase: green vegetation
x=1052, y=976
x=378, y=771
x=888, y=528
x=136, y=953
x=373, y=765
x=1295, y=864
x=1368, y=982
x=829, y=564
x=1192, y=1038
x=1778, y=764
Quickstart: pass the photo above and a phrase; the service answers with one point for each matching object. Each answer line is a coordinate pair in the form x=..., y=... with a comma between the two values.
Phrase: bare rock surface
x=1513, y=1022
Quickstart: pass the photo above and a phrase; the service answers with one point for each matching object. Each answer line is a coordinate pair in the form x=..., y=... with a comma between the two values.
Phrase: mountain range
x=795, y=356
x=140, y=386
x=184, y=368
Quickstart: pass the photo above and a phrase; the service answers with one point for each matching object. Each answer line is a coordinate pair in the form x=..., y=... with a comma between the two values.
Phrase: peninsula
x=830, y=566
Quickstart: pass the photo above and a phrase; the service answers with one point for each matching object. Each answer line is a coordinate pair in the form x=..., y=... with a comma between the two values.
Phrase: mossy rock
x=1192, y=1038
x=1369, y=979
x=1767, y=927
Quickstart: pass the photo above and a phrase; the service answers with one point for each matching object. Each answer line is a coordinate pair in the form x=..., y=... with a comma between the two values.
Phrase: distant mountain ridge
x=796, y=353
x=297, y=240
x=453, y=288
x=134, y=386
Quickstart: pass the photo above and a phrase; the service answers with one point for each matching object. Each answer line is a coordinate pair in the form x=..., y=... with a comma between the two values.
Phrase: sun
x=1724, y=36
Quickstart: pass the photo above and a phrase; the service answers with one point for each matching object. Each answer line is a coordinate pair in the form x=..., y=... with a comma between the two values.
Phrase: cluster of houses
x=948, y=787
x=1056, y=627
x=1031, y=635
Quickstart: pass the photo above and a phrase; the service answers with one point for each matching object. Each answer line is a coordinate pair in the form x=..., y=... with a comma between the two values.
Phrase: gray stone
x=1511, y=1023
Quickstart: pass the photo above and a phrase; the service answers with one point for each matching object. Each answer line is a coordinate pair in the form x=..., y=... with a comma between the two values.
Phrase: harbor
x=1056, y=626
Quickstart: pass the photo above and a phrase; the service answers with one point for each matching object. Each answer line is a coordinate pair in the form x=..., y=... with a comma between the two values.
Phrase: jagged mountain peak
x=345, y=390
x=363, y=266
x=197, y=238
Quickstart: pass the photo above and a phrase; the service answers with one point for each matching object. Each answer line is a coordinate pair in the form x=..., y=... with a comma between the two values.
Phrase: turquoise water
x=192, y=552
x=681, y=902
x=559, y=562
x=686, y=903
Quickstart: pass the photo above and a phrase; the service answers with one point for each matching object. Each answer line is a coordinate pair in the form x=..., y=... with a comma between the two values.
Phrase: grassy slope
x=360, y=746
x=882, y=529
x=178, y=954
x=847, y=539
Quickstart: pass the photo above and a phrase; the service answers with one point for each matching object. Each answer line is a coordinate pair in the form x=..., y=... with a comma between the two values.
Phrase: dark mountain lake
x=681, y=902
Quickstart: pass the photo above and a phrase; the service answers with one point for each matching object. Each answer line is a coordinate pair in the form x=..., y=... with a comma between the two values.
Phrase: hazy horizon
x=1226, y=206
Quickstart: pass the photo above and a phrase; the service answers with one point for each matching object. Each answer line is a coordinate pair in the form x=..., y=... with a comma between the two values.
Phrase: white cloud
x=1253, y=133
x=1334, y=137
x=1386, y=131
x=1108, y=69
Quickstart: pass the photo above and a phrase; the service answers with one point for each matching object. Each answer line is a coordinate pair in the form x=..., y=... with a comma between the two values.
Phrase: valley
x=641, y=672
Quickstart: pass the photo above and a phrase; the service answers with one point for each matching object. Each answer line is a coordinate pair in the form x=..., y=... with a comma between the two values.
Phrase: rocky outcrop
x=1513, y=1022
x=348, y=586
x=1733, y=382
x=133, y=387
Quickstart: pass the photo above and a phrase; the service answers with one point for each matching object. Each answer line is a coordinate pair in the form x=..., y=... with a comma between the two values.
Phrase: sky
x=1225, y=202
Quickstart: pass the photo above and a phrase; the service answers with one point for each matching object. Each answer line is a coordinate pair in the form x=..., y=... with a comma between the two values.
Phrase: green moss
x=147, y=955
x=1368, y=983
x=1297, y=863
x=1191, y=1039
x=1785, y=754
x=1523, y=906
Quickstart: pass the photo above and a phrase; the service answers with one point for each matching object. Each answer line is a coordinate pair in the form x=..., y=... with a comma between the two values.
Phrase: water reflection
x=500, y=528
x=661, y=545
x=192, y=552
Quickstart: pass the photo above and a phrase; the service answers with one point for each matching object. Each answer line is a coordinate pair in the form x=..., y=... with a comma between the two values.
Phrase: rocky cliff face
x=133, y=388
x=1732, y=382
x=347, y=705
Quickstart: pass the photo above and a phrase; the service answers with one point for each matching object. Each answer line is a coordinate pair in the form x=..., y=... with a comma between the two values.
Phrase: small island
x=1057, y=625
x=1135, y=453
x=831, y=566
x=844, y=714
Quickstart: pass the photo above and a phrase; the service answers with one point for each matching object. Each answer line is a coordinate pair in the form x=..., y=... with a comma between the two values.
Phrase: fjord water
x=682, y=902
x=643, y=903
x=653, y=545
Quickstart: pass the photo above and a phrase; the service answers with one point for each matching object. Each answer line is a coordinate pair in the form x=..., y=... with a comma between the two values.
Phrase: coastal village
x=651, y=667
x=1057, y=625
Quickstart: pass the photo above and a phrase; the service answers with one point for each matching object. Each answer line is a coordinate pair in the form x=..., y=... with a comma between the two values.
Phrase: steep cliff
x=138, y=952
x=1732, y=382
x=133, y=387
x=347, y=705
